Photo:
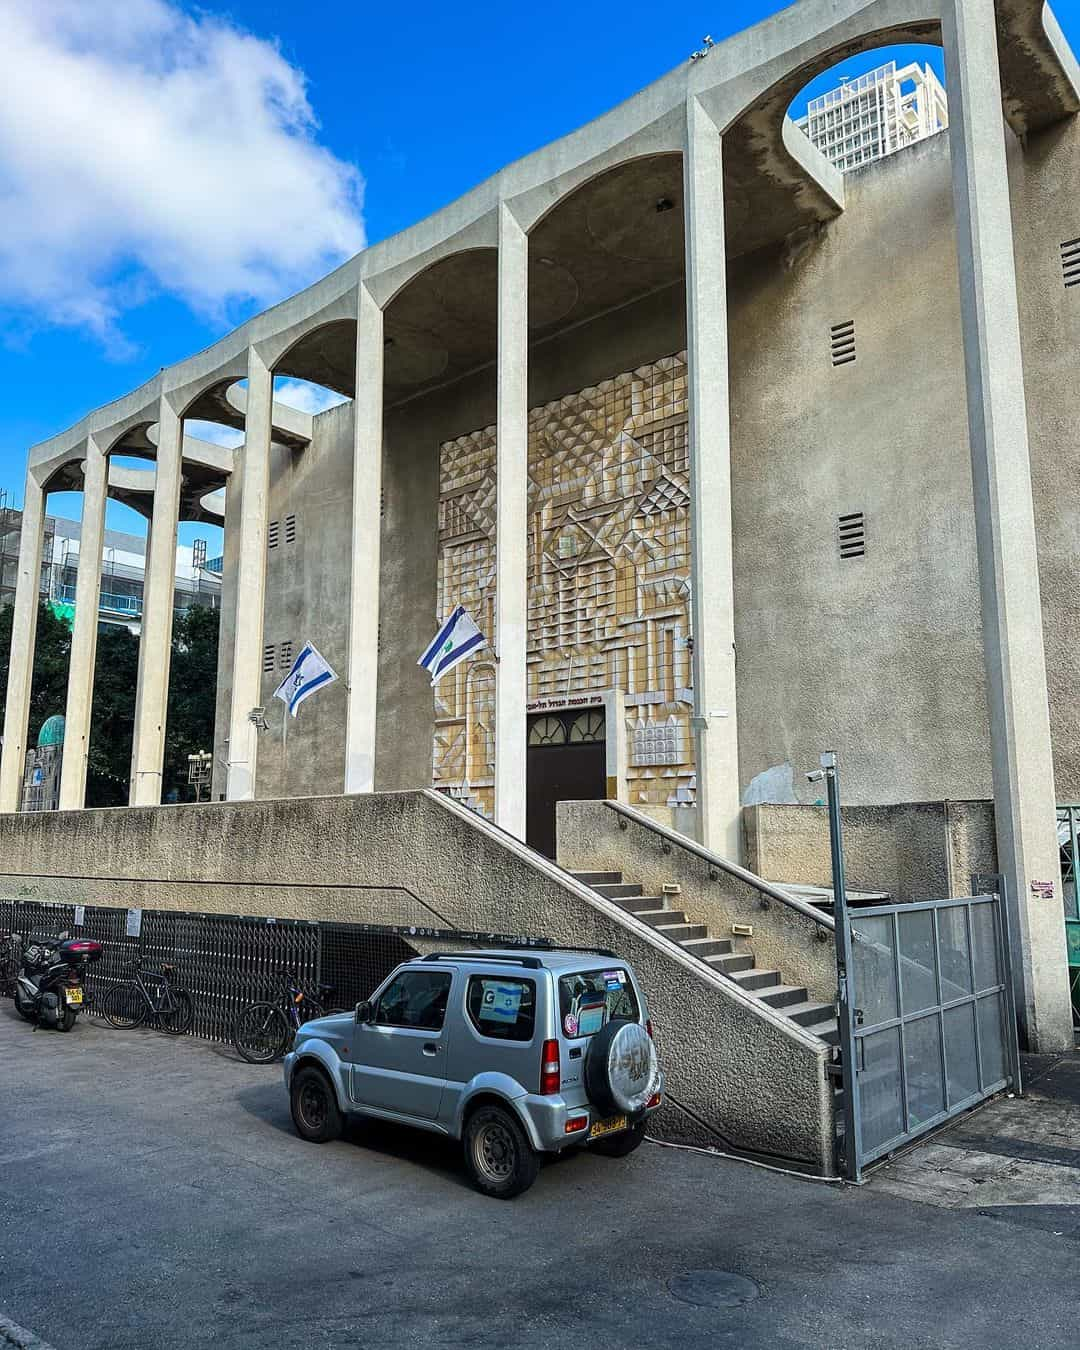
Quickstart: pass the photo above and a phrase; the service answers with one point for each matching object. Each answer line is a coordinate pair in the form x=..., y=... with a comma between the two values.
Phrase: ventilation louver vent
x=285, y=656
x=1070, y=262
x=842, y=342
x=272, y=534
x=290, y=529
x=268, y=659
x=852, y=535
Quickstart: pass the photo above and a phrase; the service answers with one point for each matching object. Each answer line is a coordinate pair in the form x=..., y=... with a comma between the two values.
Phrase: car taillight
x=550, y=1071
x=648, y=1027
x=654, y=1100
x=576, y=1124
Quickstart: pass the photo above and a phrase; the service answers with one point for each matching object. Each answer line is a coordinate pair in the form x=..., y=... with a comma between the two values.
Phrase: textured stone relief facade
x=609, y=564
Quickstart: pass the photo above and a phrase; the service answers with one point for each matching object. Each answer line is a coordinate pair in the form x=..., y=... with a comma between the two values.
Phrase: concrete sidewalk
x=1016, y=1158
x=155, y=1197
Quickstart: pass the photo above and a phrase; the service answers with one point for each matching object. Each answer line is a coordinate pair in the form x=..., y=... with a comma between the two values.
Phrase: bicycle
x=149, y=994
x=263, y=1031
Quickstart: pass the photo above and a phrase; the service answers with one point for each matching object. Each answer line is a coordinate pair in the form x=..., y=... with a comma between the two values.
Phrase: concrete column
x=23, y=633
x=80, y=694
x=250, y=581
x=155, y=642
x=366, y=547
x=511, y=529
x=1005, y=524
x=711, y=568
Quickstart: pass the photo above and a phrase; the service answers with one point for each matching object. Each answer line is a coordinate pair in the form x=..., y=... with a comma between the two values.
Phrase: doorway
x=566, y=760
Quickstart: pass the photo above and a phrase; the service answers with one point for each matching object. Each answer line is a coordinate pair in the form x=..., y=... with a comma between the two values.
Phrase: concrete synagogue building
x=732, y=457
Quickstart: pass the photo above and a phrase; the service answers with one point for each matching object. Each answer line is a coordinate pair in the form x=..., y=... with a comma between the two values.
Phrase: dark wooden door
x=570, y=771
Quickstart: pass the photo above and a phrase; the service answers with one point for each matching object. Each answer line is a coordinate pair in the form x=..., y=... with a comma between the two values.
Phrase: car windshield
x=589, y=999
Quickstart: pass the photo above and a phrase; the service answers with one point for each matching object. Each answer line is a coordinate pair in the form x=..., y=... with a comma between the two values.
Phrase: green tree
x=112, y=720
x=192, y=696
x=52, y=654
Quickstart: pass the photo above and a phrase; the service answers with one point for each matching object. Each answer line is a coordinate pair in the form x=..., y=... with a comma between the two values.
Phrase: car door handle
x=430, y=1048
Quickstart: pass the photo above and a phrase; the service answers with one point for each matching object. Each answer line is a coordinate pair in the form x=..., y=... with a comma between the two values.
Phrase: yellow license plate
x=73, y=996
x=611, y=1126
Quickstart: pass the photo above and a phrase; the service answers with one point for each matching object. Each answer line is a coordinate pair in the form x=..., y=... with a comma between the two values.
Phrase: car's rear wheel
x=315, y=1111
x=500, y=1159
x=620, y=1145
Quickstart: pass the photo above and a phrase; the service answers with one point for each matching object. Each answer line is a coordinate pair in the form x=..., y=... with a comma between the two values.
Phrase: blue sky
x=173, y=195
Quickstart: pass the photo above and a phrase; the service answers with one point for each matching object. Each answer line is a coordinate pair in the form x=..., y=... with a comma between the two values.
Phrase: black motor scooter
x=49, y=988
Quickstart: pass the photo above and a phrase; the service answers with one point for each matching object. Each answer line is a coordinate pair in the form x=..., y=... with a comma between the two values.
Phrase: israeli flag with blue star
x=458, y=638
x=310, y=672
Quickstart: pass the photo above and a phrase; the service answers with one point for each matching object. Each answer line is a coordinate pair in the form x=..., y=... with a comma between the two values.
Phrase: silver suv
x=516, y=1053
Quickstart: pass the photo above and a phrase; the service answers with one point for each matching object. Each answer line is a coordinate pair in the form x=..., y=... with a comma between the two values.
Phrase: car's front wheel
x=500, y=1159
x=315, y=1111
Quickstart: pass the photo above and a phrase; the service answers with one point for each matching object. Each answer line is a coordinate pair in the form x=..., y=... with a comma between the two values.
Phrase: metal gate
x=929, y=1023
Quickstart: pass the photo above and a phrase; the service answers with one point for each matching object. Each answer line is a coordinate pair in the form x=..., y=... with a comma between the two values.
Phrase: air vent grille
x=1070, y=262
x=285, y=656
x=290, y=529
x=852, y=535
x=842, y=342
x=272, y=534
x=268, y=659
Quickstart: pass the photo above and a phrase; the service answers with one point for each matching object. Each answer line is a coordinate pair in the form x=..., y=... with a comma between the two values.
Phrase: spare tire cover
x=621, y=1069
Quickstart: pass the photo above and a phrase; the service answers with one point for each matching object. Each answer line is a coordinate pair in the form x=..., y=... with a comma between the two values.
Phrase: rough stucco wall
x=592, y=838
x=879, y=658
x=307, y=600
x=741, y=1077
x=907, y=850
x=1043, y=176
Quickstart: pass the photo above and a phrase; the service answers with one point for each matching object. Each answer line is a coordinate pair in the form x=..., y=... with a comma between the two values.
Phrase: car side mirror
x=364, y=1012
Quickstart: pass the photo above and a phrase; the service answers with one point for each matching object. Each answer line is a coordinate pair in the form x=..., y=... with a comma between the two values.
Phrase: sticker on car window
x=499, y=1002
x=570, y=1024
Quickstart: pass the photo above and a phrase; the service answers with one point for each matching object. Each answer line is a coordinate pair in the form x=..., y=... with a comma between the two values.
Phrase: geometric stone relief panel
x=609, y=565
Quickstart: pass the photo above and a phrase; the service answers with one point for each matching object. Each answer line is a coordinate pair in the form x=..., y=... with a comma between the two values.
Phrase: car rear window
x=589, y=999
x=501, y=1007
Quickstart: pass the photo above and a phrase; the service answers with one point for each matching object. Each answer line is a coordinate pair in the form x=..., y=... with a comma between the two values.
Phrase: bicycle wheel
x=124, y=1007
x=261, y=1033
x=178, y=1012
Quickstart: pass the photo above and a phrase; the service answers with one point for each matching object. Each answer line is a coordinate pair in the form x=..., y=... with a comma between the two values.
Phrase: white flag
x=454, y=641
x=309, y=673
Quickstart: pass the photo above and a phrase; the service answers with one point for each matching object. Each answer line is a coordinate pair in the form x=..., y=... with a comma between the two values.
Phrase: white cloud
x=143, y=149
x=214, y=432
x=305, y=396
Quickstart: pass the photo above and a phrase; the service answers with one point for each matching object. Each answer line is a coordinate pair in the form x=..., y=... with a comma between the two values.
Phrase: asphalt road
x=154, y=1196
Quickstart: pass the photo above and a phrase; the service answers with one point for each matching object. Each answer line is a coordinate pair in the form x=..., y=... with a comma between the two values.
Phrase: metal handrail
x=768, y=888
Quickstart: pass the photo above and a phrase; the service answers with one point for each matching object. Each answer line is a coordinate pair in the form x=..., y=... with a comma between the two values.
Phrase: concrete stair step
x=636, y=904
x=728, y=965
x=828, y=1032
x=595, y=878
x=657, y=917
x=683, y=932
x=783, y=995
x=757, y=980
x=708, y=946
x=810, y=1012
x=616, y=890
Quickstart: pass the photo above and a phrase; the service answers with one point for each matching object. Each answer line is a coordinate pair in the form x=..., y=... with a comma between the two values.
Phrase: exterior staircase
x=718, y=952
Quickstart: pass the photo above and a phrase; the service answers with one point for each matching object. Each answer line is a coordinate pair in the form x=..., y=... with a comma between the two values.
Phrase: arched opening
x=870, y=105
x=609, y=546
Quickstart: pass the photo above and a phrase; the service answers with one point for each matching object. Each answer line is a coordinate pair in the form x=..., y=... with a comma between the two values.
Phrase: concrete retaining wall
x=914, y=850
x=792, y=938
x=739, y=1074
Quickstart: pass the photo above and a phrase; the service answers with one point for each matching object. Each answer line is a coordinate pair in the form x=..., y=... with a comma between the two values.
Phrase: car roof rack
x=532, y=962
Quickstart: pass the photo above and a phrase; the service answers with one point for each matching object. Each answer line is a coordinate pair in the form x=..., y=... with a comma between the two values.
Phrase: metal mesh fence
x=227, y=961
